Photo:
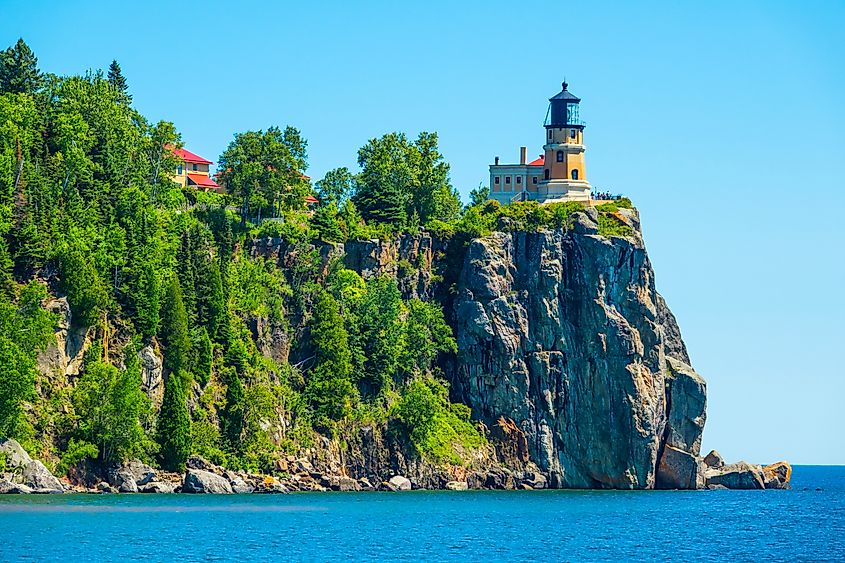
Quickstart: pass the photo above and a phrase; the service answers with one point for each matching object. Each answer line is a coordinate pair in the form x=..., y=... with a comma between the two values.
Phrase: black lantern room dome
x=563, y=110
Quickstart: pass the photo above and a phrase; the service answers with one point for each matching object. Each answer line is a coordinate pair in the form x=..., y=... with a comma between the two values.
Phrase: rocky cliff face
x=565, y=334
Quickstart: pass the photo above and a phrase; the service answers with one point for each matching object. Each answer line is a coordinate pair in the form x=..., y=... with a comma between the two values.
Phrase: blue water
x=801, y=524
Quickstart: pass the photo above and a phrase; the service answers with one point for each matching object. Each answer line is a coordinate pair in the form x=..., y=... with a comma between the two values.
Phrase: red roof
x=539, y=162
x=202, y=180
x=311, y=199
x=188, y=156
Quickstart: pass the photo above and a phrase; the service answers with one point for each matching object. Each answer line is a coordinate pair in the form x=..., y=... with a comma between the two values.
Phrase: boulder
x=740, y=475
x=686, y=408
x=678, y=470
x=35, y=476
x=239, y=486
x=157, y=487
x=777, y=475
x=199, y=481
x=399, y=483
x=15, y=455
x=9, y=488
x=129, y=477
x=714, y=460
x=365, y=485
x=104, y=487
x=346, y=484
x=457, y=485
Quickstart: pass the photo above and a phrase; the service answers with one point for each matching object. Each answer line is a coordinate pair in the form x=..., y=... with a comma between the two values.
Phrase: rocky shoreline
x=25, y=475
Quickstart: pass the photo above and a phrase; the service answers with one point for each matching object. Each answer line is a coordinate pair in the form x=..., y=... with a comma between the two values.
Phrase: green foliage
x=76, y=451
x=265, y=170
x=173, y=432
x=202, y=354
x=404, y=183
x=174, y=331
x=109, y=407
x=326, y=224
x=118, y=81
x=610, y=226
x=329, y=387
x=25, y=328
x=87, y=294
x=438, y=430
x=426, y=336
x=376, y=335
x=479, y=195
x=335, y=187
x=19, y=70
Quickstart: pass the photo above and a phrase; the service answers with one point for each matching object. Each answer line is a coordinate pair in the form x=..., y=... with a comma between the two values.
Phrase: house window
x=179, y=170
x=560, y=156
x=572, y=133
x=496, y=180
x=574, y=173
x=194, y=167
x=507, y=179
x=519, y=179
x=546, y=176
x=534, y=180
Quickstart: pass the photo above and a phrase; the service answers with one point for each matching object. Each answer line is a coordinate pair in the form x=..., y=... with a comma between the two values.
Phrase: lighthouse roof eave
x=565, y=94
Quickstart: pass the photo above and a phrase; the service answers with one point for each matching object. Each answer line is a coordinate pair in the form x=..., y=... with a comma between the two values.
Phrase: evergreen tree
x=19, y=72
x=233, y=415
x=147, y=301
x=211, y=302
x=377, y=334
x=174, y=331
x=118, y=82
x=329, y=386
x=335, y=187
x=325, y=223
x=203, y=356
x=174, y=425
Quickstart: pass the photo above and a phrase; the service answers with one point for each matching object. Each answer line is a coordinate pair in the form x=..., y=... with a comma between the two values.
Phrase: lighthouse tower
x=564, y=174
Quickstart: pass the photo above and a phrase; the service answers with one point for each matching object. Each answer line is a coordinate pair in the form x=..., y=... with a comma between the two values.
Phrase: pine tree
x=174, y=331
x=325, y=222
x=174, y=425
x=118, y=82
x=147, y=297
x=19, y=72
x=211, y=303
x=202, y=354
x=329, y=387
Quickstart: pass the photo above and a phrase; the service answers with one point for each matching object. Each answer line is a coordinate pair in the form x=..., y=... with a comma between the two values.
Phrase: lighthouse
x=564, y=174
x=559, y=174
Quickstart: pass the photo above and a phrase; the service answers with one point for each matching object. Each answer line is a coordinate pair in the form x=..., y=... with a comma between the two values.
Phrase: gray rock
x=39, y=479
x=714, y=460
x=239, y=486
x=740, y=475
x=128, y=478
x=15, y=455
x=577, y=333
x=678, y=470
x=157, y=487
x=199, y=481
x=104, y=487
x=457, y=485
x=9, y=488
x=686, y=410
x=152, y=371
x=399, y=483
x=777, y=475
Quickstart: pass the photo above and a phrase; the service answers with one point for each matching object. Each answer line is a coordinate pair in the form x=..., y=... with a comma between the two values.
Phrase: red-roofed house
x=194, y=171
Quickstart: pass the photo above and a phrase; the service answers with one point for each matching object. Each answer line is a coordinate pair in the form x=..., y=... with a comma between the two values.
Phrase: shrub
x=77, y=451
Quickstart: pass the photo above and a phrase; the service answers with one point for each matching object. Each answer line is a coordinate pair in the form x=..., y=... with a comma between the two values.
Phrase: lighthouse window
x=496, y=180
x=574, y=173
x=546, y=175
x=519, y=179
x=572, y=133
x=534, y=180
x=560, y=156
x=507, y=179
x=550, y=134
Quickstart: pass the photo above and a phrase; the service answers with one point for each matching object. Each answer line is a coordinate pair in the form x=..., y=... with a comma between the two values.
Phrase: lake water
x=801, y=524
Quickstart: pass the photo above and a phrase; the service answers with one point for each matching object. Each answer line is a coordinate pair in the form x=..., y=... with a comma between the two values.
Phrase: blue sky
x=724, y=124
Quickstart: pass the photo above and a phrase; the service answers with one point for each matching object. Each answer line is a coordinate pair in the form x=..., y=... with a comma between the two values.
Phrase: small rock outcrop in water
x=24, y=474
x=199, y=481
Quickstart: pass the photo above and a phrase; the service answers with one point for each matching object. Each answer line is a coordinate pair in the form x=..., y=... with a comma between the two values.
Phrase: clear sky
x=724, y=123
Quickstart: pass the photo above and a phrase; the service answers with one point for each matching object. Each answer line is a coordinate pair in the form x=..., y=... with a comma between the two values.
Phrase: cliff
x=570, y=360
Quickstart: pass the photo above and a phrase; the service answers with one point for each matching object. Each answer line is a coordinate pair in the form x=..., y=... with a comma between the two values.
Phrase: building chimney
x=523, y=153
x=497, y=161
